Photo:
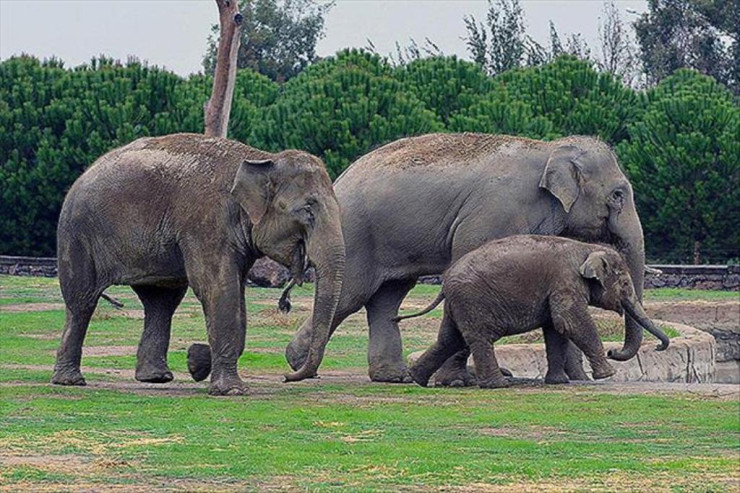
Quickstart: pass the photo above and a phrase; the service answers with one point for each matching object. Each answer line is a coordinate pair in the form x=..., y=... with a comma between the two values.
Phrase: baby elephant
x=520, y=283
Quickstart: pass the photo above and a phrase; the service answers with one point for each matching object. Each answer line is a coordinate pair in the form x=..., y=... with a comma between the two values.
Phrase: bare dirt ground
x=266, y=384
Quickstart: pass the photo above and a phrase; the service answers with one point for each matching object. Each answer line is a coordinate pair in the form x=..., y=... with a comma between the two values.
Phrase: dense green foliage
x=341, y=108
x=678, y=141
x=55, y=122
x=683, y=156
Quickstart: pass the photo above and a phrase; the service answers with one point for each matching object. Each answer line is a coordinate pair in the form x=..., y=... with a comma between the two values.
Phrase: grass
x=339, y=432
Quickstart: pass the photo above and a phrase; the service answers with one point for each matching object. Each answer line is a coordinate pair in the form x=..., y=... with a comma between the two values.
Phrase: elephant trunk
x=635, y=310
x=630, y=243
x=327, y=253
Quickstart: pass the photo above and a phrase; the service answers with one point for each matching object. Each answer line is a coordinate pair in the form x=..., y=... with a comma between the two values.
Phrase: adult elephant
x=161, y=214
x=414, y=206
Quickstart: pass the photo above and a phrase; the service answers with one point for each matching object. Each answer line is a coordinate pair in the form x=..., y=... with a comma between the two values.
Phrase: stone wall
x=710, y=277
x=28, y=266
x=267, y=273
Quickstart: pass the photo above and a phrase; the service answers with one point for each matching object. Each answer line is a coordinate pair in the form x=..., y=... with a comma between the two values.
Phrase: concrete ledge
x=690, y=358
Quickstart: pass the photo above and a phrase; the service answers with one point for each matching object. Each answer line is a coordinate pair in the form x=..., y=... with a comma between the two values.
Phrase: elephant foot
x=574, y=364
x=227, y=387
x=390, y=374
x=498, y=382
x=458, y=377
x=151, y=374
x=295, y=355
x=603, y=371
x=576, y=373
x=419, y=376
x=199, y=361
x=68, y=377
x=555, y=378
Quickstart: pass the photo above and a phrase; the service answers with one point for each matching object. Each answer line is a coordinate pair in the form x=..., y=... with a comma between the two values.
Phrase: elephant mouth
x=299, y=262
x=298, y=268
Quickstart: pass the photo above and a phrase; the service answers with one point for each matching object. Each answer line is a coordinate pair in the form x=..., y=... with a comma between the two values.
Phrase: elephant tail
x=437, y=301
x=112, y=301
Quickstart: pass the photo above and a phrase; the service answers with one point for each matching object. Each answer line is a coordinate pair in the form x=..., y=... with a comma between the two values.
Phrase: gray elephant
x=415, y=206
x=524, y=282
x=161, y=214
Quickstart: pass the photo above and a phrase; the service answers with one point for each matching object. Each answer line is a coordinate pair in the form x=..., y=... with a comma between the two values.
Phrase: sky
x=173, y=33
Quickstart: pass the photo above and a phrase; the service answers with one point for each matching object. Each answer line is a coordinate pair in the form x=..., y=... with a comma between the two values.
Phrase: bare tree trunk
x=697, y=253
x=218, y=108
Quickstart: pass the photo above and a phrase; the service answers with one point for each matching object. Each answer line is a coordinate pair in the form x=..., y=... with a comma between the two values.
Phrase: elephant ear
x=595, y=267
x=252, y=187
x=560, y=177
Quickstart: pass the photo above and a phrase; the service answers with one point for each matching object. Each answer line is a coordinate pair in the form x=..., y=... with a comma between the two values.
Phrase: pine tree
x=683, y=157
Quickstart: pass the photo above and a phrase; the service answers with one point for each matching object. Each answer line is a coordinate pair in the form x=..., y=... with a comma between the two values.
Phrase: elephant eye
x=306, y=215
x=618, y=194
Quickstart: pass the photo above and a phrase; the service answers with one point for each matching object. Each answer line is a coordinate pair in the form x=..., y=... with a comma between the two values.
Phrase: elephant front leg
x=555, y=346
x=225, y=313
x=576, y=324
x=574, y=362
x=385, y=350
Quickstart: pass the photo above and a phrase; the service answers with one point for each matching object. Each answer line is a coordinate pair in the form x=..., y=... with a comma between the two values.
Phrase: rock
x=267, y=273
x=728, y=372
x=728, y=344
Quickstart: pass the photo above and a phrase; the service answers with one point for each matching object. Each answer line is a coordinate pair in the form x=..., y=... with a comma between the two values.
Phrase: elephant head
x=584, y=176
x=611, y=288
x=295, y=220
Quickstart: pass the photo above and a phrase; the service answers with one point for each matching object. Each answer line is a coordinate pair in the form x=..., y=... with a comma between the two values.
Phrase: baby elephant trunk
x=635, y=310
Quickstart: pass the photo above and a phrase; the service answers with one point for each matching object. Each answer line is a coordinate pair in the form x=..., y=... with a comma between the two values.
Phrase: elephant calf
x=520, y=283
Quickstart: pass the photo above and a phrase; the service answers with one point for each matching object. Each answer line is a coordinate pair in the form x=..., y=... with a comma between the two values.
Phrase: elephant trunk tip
x=620, y=355
x=664, y=343
x=301, y=374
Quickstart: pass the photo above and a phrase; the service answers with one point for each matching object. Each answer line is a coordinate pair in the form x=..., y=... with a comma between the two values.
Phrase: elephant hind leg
x=487, y=372
x=69, y=355
x=449, y=341
x=81, y=291
x=159, y=306
x=454, y=372
x=385, y=349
